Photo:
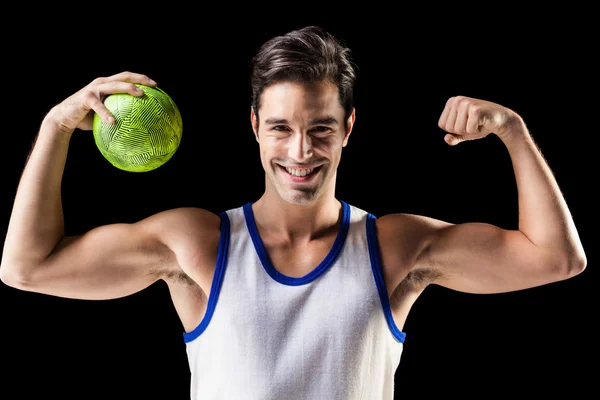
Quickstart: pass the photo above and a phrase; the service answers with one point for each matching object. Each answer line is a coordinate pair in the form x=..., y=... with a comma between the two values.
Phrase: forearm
x=37, y=224
x=544, y=216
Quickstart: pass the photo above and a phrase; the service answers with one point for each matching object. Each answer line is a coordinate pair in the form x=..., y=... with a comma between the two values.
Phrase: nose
x=301, y=147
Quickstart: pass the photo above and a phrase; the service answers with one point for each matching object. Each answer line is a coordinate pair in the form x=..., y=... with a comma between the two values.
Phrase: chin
x=298, y=198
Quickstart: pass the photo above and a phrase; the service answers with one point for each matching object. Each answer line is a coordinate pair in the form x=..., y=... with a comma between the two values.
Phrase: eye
x=320, y=130
x=281, y=128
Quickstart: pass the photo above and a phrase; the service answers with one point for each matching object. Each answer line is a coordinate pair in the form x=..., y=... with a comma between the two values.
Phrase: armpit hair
x=418, y=279
x=173, y=276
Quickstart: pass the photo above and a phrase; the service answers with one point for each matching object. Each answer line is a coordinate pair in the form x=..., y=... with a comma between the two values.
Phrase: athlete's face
x=301, y=135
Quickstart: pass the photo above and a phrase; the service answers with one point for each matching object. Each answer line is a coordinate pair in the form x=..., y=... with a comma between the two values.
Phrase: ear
x=254, y=122
x=349, y=126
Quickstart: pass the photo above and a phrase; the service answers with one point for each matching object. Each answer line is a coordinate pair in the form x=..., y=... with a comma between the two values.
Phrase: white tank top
x=327, y=335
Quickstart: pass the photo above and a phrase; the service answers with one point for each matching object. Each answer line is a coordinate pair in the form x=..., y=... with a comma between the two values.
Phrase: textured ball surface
x=145, y=134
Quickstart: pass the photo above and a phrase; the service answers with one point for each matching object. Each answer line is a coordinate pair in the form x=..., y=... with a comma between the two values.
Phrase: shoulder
x=182, y=220
x=413, y=225
x=191, y=235
x=189, y=217
x=403, y=238
x=179, y=228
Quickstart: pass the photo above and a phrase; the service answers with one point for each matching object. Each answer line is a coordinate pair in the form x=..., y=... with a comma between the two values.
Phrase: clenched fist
x=466, y=118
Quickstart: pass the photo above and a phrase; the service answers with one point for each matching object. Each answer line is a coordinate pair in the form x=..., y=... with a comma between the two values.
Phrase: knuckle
x=131, y=87
x=463, y=102
x=88, y=94
x=470, y=130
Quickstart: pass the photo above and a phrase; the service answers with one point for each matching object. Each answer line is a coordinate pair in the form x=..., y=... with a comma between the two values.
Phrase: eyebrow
x=318, y=121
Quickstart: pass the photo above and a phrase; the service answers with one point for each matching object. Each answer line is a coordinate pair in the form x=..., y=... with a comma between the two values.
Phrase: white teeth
x=299, y=172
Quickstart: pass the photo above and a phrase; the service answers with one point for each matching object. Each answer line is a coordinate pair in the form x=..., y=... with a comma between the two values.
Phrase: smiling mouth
x=301, y=172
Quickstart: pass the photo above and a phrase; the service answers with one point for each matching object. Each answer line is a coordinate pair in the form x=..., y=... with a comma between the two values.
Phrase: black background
x=537, y=341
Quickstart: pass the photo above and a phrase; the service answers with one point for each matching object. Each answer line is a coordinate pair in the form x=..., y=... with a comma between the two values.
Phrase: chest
x=339, y=304
x=297, y=260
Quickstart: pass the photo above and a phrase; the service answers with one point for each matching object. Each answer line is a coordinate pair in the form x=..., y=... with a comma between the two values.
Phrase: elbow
x=13, y=276
x=7, y=277
x=569, y=266
x=577, y=264
x=576, y=260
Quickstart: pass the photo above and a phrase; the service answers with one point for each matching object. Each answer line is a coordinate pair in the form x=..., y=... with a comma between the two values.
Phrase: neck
x=293, y=222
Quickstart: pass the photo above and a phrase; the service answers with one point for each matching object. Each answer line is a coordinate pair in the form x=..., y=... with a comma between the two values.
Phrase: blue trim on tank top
x=315, y=273
x=379, y=281
x=216, y=282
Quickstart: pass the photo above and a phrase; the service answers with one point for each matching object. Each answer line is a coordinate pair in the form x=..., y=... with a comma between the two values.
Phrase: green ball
x=145, y=134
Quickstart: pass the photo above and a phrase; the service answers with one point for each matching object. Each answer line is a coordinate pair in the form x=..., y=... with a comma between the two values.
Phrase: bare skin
x=301, y=128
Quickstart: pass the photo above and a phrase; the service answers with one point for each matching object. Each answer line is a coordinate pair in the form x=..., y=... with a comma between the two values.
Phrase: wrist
x=515, y=129
x=52, y=125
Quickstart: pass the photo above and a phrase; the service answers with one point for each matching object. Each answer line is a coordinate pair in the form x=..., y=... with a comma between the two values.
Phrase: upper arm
x=468, y=257
x=120, y=259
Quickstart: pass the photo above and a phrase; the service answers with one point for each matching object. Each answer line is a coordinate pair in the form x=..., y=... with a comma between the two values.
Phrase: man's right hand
x=77, y=111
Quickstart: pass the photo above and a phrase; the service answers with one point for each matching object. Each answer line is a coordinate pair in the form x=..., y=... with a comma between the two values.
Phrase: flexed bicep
x=468, y=257
x=107, y=262
x=483, y=258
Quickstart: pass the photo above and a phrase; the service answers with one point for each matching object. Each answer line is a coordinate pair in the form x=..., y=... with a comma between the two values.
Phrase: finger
x=445, y=112
x=462, y=113
x=94, y=103
x=473, y=124
x=450, y=121
x=131, y=77
x=108, y=88
x=452, y=139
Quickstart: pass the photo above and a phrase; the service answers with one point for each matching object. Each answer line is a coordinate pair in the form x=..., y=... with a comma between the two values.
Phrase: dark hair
x=305, y=55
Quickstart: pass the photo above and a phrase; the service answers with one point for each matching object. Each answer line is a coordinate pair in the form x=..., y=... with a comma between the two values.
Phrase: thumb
x=452, y=140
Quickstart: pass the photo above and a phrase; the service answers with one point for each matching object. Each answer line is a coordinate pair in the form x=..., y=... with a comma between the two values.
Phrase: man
x=297, y=295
